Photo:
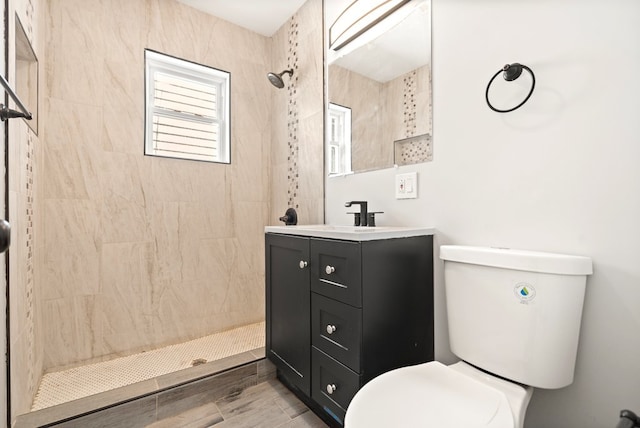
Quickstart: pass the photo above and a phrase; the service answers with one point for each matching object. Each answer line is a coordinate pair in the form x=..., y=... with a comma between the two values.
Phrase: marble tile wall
x=297, y=136
x=407, y=104
x=114, y=252
x=24, y=162
x=364, y=97
x=141, y=251
x=382, y=113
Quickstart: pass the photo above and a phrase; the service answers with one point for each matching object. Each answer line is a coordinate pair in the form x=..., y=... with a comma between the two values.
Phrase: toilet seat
x=429, y=395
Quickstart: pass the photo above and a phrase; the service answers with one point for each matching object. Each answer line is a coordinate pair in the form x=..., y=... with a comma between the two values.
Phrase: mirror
x=379, y=86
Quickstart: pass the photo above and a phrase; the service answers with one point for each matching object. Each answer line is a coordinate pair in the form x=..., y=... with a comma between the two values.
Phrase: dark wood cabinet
x=341, y=312
x=288, y=308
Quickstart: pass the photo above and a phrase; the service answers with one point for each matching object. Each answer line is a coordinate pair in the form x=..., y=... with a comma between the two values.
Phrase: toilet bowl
x=514, y=321
x=439, y=396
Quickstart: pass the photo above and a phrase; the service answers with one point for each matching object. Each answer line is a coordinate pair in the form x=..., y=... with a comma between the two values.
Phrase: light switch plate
x=407, y=185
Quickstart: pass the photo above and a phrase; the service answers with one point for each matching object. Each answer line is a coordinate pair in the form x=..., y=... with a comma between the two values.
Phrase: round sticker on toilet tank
x=525, y=292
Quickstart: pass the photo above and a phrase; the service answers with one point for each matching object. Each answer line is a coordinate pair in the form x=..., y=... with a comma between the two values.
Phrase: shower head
x=276, y=79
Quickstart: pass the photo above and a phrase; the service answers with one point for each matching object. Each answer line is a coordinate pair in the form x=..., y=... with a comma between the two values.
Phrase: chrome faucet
x=363, y=210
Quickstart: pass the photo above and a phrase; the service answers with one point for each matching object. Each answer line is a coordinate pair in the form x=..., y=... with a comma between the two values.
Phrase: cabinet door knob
x=303, y=264
x=329, y=270
x=331, y=328
x=331, y=388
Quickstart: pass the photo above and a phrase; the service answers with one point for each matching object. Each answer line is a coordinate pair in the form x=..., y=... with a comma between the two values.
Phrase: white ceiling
x=405, y=47
x=261, y=16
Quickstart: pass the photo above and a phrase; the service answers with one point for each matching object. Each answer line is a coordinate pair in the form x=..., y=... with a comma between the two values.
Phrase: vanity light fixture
x=359, y=17
x=511, y=72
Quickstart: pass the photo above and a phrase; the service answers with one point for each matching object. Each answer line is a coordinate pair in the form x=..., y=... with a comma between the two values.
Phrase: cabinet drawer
x=336, y=329
x=333, y=385
x=337, y=270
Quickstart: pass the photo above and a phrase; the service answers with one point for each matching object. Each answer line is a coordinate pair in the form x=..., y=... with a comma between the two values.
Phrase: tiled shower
x=116, y=253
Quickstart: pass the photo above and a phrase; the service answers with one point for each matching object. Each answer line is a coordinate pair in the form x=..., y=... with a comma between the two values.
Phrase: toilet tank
x=515, y=313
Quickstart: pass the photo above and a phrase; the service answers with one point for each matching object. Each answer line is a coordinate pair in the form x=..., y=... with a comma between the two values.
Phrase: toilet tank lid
x=508, y=258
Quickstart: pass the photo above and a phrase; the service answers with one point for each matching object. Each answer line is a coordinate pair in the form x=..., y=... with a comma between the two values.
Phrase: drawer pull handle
x=329, y=270
x=331, y=388
x=331, y=329
x=303, y=264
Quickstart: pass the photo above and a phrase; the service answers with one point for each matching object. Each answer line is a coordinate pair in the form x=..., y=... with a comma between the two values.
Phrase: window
x=339, y=146
x=187, y=109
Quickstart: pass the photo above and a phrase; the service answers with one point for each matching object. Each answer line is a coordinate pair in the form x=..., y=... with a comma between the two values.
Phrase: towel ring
x=511, y=72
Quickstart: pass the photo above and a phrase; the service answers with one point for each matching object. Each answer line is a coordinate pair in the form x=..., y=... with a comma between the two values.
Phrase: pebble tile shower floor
x=67, y=385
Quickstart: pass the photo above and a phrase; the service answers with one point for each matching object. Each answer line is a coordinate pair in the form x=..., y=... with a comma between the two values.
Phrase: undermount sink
x=351, y=233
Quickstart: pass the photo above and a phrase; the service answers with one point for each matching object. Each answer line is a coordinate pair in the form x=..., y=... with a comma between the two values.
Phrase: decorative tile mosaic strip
x=29, y=261
x=67, y=385
x=409, y=101
x=292, y=114
x=413, y=148
x=30, y=12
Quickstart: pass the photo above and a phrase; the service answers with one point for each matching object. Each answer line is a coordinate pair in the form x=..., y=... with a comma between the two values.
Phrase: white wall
x=558, y=175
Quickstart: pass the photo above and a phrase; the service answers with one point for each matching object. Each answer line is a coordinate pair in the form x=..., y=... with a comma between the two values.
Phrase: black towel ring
x=511, y=72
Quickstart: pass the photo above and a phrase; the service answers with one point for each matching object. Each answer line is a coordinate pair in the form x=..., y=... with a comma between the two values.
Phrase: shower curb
x=143, y=403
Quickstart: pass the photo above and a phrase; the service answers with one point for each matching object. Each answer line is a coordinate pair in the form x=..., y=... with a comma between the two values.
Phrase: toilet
x=514, y=321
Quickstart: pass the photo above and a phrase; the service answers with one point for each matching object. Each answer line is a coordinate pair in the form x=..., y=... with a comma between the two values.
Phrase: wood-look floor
x=268, y=404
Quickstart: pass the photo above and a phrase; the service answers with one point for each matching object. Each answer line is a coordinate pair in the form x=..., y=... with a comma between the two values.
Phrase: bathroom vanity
x=345, y=304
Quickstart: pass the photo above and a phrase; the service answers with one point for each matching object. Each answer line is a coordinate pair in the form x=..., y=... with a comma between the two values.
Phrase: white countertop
x=351, y=233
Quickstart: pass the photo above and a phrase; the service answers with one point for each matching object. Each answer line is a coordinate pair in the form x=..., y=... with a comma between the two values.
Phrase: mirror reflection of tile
x=412, y=150
x=389, y=94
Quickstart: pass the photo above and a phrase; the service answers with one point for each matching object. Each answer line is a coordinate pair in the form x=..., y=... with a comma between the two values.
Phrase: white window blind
x=187, y=111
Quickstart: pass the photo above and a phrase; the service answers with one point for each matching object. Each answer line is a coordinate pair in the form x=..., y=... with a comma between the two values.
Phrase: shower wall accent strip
x=292, y=114
x=30, y=12
x=25, y=221
x=409, y=95
x=416, y=146
x=29, y=280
